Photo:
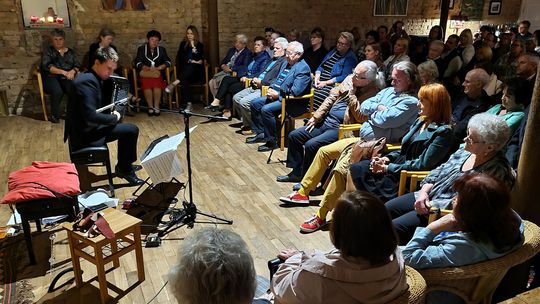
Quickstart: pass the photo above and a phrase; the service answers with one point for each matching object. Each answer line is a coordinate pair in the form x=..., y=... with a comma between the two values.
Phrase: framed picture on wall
x=390, y=8
x=495, y=7
x=45, y=13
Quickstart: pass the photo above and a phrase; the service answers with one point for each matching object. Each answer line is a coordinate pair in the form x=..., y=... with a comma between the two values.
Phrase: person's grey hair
x=491, y=128
x=298, y=47
x=104, y=54
x=282, y=41
x=429, y=67
x=348, y=36
x=480, y=75
x=411, y=71
x=242, y=38
x=214, y=266
x=371, y=69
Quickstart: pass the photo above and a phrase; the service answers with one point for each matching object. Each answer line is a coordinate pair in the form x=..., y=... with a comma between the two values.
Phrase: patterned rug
x=15, y=270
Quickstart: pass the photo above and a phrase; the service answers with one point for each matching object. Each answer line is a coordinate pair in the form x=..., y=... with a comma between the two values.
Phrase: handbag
x=153, y=73
x=364, y=150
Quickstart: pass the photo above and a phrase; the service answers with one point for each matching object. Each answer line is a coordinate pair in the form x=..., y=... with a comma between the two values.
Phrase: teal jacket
x=427, y=150
x=513, y=119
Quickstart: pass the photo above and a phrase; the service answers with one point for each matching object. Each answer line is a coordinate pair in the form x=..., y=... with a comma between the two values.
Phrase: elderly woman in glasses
x=487, y=135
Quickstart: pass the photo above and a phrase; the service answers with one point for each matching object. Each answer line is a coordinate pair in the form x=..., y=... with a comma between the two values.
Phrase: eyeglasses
x=290, y=54
x=342, y=43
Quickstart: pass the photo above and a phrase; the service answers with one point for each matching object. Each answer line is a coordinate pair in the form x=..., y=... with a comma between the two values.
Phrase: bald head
x=474, y=83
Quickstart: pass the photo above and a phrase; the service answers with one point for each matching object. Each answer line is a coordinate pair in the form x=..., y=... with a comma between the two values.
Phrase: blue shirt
x=336, y=113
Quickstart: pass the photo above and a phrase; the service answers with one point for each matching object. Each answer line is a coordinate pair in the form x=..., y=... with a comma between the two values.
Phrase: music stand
x=187, y=215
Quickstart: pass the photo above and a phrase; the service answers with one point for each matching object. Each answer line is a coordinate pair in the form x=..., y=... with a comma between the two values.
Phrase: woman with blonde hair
x=425, y=146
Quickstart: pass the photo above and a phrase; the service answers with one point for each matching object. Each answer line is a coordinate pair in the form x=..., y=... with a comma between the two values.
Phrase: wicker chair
x=476, y=283
x=416, y=293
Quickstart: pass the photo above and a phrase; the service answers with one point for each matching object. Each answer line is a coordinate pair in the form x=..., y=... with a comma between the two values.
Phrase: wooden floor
x=231, y=180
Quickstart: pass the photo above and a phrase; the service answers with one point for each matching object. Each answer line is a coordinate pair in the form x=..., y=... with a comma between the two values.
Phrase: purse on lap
x=153, y=73
x=364, y=150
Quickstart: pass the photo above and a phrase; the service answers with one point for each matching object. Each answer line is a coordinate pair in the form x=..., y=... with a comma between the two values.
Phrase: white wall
x=530, y=11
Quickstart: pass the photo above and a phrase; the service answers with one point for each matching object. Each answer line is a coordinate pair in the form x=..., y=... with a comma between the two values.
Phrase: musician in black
x=85, y=127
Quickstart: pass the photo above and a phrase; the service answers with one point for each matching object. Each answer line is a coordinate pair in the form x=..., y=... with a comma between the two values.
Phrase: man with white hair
x=242, y=100
x=294, y=80
x=474, y=100
x=341, y=106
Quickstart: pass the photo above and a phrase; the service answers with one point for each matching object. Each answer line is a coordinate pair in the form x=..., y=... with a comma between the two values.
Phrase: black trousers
x=404, y=217
x=126, y=134
x=190, y=73
x=56, y=87
x=228, y=87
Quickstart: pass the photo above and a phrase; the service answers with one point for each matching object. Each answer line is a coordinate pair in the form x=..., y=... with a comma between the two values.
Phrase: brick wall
x=20, y=48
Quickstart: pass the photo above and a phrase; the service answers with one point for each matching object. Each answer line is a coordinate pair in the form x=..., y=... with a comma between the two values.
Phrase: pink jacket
x=330, y=278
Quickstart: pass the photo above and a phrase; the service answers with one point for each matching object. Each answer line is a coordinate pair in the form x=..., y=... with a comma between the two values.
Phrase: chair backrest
x=476, y=283
x=37, y=72
x=284, y=115
x=416, y=293
x=414, y=176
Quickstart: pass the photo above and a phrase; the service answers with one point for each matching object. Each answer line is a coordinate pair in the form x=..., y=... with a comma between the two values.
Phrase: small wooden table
x=126, y=228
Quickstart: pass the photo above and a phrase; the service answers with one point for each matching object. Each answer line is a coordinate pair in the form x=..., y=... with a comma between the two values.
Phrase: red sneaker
x=313, y=224
x=295, y=198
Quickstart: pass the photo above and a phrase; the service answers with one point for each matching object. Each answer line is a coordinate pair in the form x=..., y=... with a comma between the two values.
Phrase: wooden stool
x=122, y=225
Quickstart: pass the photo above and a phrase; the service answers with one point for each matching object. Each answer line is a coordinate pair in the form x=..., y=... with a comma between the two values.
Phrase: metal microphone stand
x=187, y=215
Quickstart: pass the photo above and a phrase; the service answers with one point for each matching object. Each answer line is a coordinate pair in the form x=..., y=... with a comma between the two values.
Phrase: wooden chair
x=36, y=72
x=476, y=283
x=355, y=127
x=416, y=292
x=284, y=116
x=414, y=176
x=203, y=85
x=136, y=86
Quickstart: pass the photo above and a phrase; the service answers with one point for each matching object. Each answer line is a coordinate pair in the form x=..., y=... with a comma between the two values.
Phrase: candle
x=60, y=20
x=50, y=19
x=33, y=19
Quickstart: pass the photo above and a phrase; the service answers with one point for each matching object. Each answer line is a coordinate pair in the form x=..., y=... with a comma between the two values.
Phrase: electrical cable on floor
x=158, y=292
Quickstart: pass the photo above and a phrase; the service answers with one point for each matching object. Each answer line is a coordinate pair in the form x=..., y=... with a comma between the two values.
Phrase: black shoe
x=212, y=108
x=54, y=120
x=268, y=146
x=289, y=178
x=136, y=168
x=237, y=125
x=131, y=178
x=259, y=138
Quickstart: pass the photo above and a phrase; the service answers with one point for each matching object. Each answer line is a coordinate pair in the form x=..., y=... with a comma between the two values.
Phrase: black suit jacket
x=84, y=126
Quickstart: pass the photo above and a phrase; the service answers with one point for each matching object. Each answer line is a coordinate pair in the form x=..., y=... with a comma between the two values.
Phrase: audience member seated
x=294, y=80
x=189, y=65
x=341, y=106
x=103, y=40
x=435, y=51
x=231, y=85
x=485, y=30
x=451, y=64
x=494, y=86
x=390, y=114
x=428, y=72
x=515, y=93
x=425, y=146
x=214, y=266
x=372, y=37
x=472, y=101
x=400, y=54
x=336, y=65
x=397, y=31
x=236, y=60
x=467, y=51
x=503, y=47
x=486, y=138
x=87, y=128
x=386, y=46
x=523, y=31
x=315, y=54
x=151, y=62
x=507, y=64
x=364, y=267
x=59, y=66
x=373, y=52
x=481, y=227
x=242, y=100
x=526, y=69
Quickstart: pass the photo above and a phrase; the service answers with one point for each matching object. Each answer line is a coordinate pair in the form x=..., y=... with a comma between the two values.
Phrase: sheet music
x=162, y=162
